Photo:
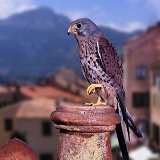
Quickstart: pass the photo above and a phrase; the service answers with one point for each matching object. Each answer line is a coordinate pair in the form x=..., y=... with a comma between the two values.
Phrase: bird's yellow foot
x=98, y=103
x=92, y=88
x=89, y=104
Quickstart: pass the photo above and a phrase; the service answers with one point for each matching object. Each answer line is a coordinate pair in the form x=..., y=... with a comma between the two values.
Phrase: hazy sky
x=126, y=15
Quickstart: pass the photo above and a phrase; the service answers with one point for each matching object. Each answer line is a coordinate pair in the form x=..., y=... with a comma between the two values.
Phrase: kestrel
x=102, y=69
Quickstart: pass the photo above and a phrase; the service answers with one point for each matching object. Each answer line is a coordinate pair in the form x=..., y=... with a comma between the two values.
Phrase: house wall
x=32, y=130
x=155, y=114
x=145, y=54
x=6, y=99
x=7, y=113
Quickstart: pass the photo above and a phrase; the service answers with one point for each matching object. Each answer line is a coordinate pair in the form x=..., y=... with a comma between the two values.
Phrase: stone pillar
x=85, y=132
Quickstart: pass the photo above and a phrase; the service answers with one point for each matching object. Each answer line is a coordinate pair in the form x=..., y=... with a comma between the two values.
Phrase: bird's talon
x=89, y=104
x=98, y=103
x=92, y=88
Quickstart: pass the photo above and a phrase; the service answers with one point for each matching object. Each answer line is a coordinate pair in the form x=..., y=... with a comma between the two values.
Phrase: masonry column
x=85, y=132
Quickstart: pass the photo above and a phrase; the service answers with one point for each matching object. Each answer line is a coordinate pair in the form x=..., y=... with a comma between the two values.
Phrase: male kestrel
x=102, y=68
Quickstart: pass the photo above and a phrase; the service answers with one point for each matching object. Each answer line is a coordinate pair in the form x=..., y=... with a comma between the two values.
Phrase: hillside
x=34, y=44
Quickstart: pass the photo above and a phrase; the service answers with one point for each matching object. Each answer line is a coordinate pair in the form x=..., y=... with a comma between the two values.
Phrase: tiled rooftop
x=34, y=108
x=48, y=92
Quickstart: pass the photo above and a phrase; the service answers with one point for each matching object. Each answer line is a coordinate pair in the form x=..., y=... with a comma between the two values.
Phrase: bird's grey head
x=83, y=27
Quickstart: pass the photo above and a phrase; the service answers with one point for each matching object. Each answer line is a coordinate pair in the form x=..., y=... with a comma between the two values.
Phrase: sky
x=123, y=15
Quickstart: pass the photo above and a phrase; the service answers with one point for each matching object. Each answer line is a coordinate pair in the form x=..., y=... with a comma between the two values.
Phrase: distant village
x=25, y=109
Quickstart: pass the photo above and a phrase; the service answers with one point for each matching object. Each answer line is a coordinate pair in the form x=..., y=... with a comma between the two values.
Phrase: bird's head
x=83, y=27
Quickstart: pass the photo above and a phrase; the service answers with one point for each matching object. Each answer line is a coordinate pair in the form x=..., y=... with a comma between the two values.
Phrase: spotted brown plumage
x=102, y=69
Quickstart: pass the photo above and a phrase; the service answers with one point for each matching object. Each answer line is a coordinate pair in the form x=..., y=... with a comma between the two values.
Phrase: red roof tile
x=33, y=108
x=36, y=108
x=141, y=39
x=48, y=92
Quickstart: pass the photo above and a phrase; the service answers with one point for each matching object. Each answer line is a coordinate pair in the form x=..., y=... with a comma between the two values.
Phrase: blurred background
x=40, y=69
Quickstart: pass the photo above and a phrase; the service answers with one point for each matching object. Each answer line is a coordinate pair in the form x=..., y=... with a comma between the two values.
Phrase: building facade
x=30, y=121
x=140, y=53
x=155, y=107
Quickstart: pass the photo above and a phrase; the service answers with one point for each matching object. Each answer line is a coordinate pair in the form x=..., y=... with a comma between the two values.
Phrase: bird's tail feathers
x=127, y=117
x=121, y=136
x=132, y=126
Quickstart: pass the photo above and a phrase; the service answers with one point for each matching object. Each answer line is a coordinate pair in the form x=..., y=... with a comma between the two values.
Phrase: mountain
x=34, y=44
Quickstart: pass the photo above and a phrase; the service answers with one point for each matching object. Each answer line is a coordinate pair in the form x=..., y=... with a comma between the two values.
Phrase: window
x=18, y=135
x=156, y=133
x=154, y=76
x=46, y=128
x=141, y=73
x=8, y=124
x=141, y=99
x=46, y=157
x=154, y=100
x=158, y=82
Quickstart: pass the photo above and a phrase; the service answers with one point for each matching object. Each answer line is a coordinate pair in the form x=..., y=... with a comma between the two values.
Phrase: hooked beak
x=69, y=31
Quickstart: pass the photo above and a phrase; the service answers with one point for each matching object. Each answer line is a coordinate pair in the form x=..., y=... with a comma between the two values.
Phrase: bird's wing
x=113, y=67
x=110, y=60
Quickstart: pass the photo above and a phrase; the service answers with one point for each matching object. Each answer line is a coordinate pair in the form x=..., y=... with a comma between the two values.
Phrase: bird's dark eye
x=78, y=25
